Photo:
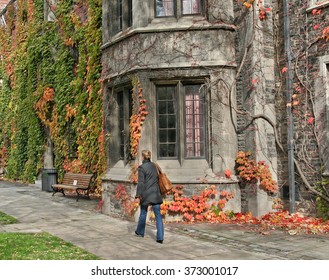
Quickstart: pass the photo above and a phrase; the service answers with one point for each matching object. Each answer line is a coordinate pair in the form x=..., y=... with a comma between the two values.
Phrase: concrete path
x=112, y=238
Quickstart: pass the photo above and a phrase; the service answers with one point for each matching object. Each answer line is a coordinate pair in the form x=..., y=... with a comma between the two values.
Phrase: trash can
x=49, y=177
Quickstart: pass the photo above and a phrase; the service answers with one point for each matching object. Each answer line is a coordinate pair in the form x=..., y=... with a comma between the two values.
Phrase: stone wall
x=309, y=96
x=310, y=54
x=195, y=48
x=256, y=97
x=170, y=48
x=112, y=206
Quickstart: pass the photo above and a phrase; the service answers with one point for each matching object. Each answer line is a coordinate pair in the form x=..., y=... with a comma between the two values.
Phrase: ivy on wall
x=51, y=88
x=138, y=116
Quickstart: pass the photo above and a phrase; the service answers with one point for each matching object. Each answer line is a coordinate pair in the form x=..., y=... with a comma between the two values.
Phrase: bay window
x=318, y=2
x=125, y=14
x=167, y=121
x=164, y=8
x=168, y=8
x=191, y=7
x=181, y=121
x=194, y=122
x=124, y=101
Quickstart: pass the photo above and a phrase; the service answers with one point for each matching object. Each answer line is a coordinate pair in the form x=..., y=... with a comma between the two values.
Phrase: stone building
x=212, y=76
x=184, y=55
x=287, y=48
x=230, y=61
x=308, y=37
x=311, y=53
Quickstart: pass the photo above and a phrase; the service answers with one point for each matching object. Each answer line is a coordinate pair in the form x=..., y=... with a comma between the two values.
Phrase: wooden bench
x=81, y=183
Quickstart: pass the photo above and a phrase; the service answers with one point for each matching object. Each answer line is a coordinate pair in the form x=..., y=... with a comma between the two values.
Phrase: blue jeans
x=158, y=220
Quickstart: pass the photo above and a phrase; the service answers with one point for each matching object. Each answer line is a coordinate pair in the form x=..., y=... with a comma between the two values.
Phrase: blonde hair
x=146, y=154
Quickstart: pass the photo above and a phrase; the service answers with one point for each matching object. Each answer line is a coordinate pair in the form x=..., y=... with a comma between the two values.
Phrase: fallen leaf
x=265, y=232
x=292, y=232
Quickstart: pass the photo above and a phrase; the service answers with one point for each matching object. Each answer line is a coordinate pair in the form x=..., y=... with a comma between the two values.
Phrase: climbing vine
x=138, y=116
x=261, y=9
x=322, y=206
x=252, y=172
x=208, y=205
x=51, y=88
x=128, y=204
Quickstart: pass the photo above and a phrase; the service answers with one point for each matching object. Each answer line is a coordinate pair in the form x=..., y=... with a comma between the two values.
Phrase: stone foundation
x=112, y=206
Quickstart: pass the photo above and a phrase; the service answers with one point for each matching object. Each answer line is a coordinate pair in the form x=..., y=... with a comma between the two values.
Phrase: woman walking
x=149, y=194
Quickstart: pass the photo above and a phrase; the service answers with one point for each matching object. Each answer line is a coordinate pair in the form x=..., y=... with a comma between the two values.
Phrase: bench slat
x=69, y=187
x=82, y=180
x=74, y=181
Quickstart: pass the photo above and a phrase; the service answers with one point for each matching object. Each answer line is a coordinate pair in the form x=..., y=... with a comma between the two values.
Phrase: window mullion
x=120, y=15
x=179, y=8
x=130, y=13
x=127, y=114
x=180, y=122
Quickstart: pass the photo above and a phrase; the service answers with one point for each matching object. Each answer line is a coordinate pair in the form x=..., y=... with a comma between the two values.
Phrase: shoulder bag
x=164, y=183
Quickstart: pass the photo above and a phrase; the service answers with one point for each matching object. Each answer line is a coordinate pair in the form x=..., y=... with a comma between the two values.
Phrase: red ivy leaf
x=310, y=120
x=316, y=12
x=228, y=173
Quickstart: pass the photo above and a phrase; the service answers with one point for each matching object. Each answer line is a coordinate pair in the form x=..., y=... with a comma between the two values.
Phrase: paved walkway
x=112, y=238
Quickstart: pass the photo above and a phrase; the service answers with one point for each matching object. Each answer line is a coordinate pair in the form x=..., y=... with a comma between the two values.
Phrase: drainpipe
x=290, y=121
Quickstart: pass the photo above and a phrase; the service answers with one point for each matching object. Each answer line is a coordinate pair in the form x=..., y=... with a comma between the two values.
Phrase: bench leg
x=55, y=190
x=78, y=195
x=81, y=194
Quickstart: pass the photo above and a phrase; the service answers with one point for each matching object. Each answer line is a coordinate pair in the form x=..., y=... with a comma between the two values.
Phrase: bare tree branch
x=307, y=184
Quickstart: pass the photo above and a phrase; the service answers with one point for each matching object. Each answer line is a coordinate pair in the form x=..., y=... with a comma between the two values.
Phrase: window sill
x=317, y=6
x=195, y=172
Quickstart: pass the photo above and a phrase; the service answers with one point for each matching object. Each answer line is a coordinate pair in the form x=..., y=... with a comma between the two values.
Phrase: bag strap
x=158, y=168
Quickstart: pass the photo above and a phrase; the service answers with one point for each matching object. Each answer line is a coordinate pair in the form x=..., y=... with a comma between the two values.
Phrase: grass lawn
x=6, y=219
x=37, y=246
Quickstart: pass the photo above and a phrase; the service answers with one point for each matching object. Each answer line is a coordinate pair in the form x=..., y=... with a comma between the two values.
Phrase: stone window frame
x=178, y=169
x=124, y=94
x=178, y=9
x=124, y=14
x=317, y=4
x=181, y=153
x=120, y=15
